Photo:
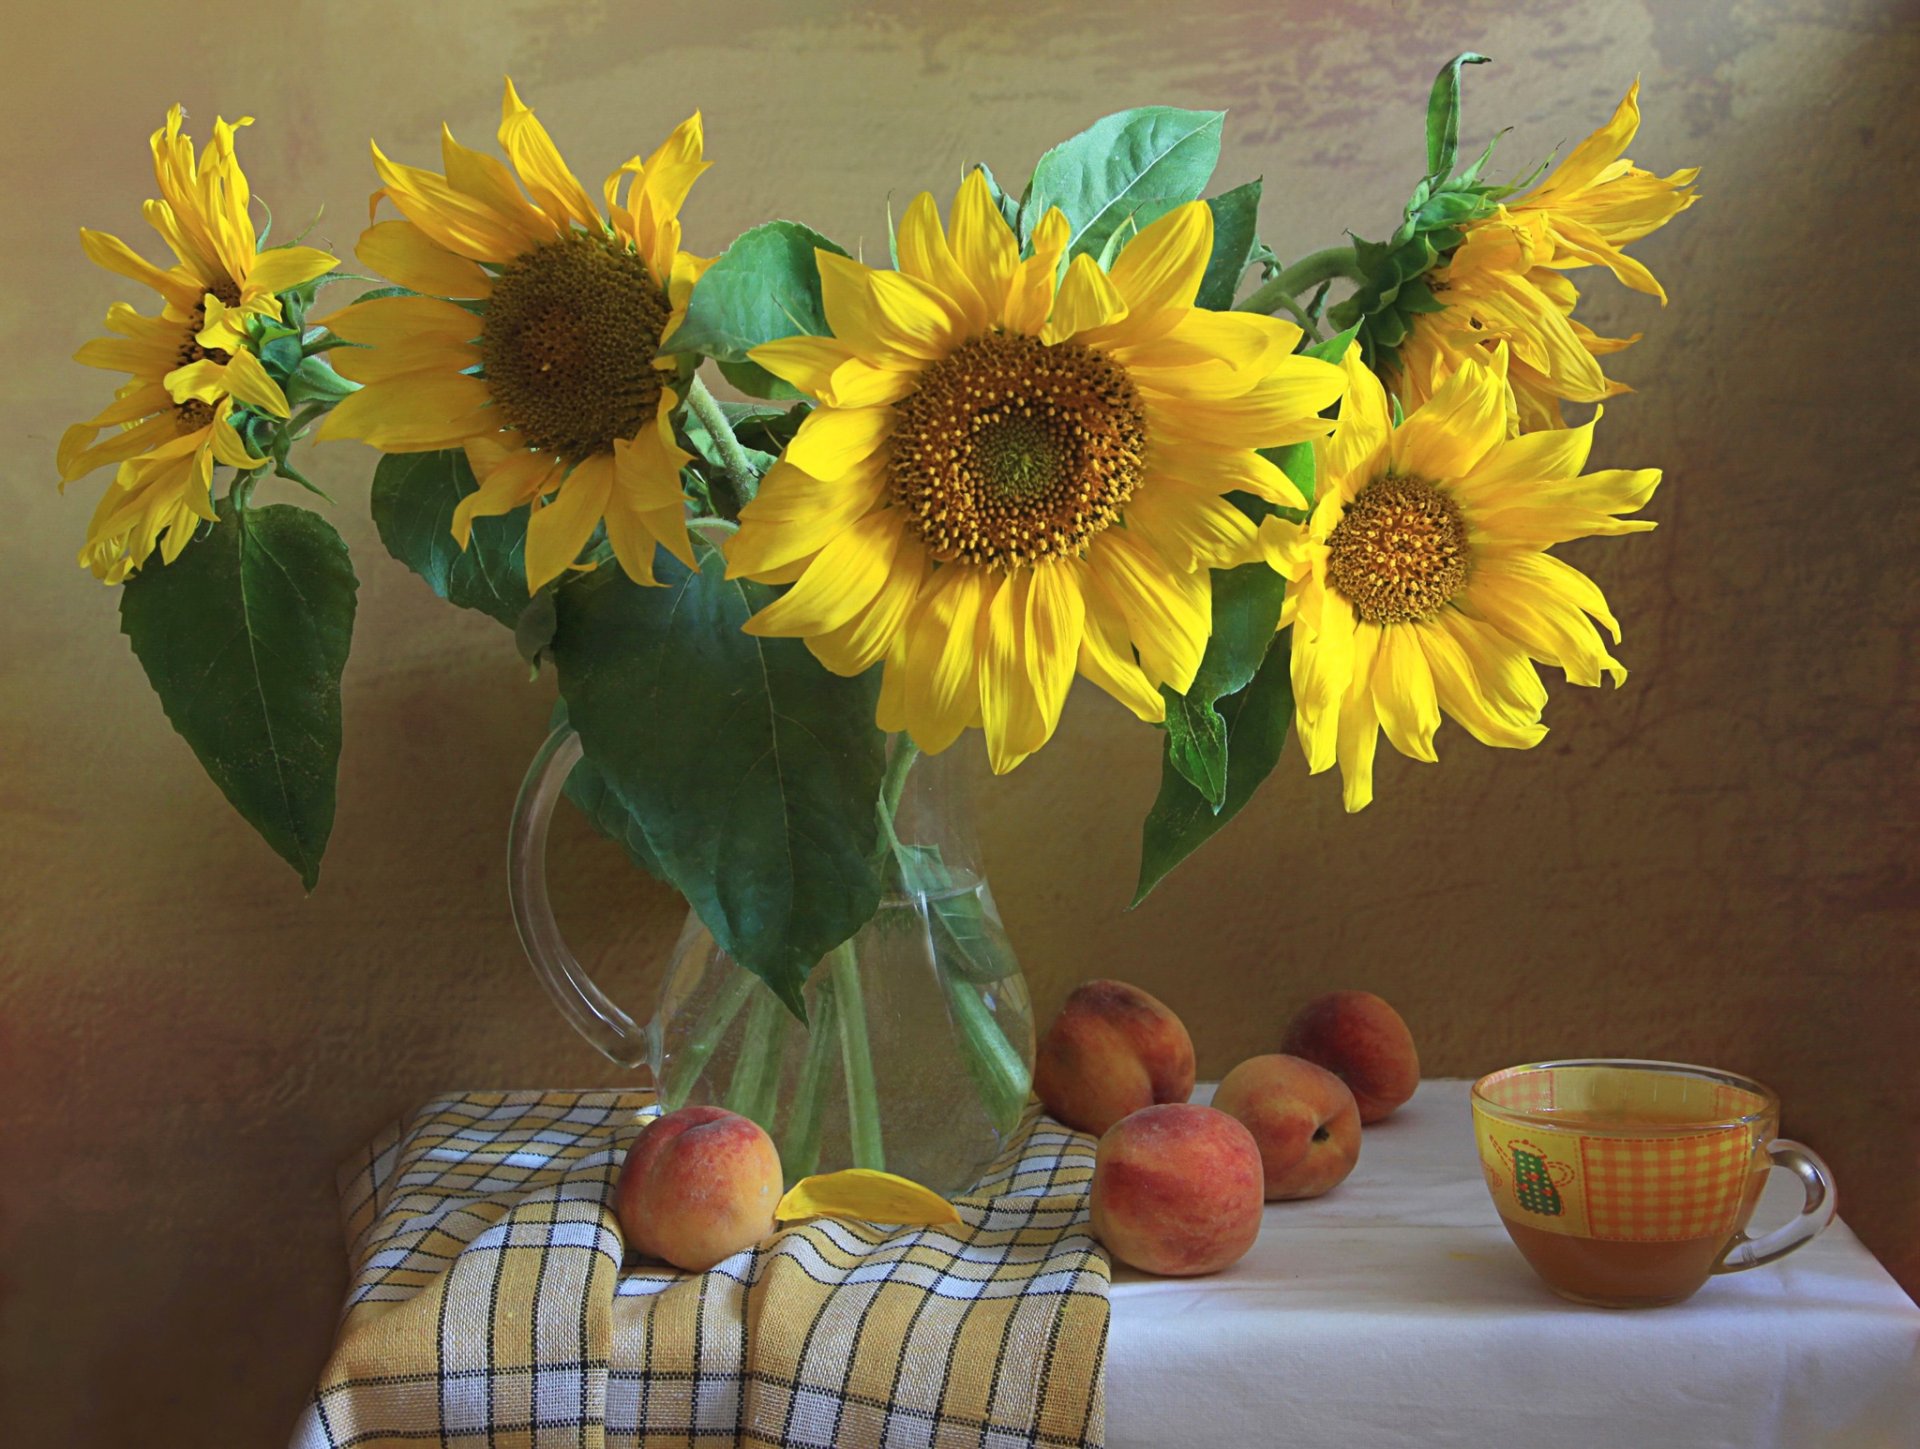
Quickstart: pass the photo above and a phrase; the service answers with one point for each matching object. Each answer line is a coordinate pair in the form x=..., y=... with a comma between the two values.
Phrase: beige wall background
x=1716, y=863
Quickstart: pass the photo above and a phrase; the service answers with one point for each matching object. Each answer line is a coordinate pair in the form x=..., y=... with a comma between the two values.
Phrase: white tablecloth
x=1394, y=1311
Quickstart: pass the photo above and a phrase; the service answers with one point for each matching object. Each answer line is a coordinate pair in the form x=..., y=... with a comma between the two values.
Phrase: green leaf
x=414, y=495
x=244, y=638
x=753, y=771
x=1256, y=720
x=977, y=951
x=1246, y=610
x=596, y=798
x=1235, y=214
x=767, y=285
x=1332, y=349
x=1137, y=164
x=1443, y=115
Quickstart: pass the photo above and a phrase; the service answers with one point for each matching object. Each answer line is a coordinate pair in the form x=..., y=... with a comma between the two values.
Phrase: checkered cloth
x=490, y=1306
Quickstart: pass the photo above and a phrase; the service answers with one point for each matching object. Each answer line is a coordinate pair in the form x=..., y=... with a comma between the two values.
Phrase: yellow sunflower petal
x=805, y=362
x=403, y=253
x=285, y=267
x=511, y=482
x=983, y=244
x=646, y=505
x=461, y=223
x=1488, y=716
x=1403, y=695
x=76, y=459
x=537, y=160
x=1169, y=612
x=1359, y=729
x=379, y=364
x=926, y=257
x=1087, y=299
x=1106, y=653
x=488, y=180
x=1227, y=470
x=1055, y=631
x=867, y=1196
x=1158, y=273
x=1523, y=599
x=1283, y=408
x=1322, y=670
x=870, y=635
x=833, y=441
x=1010, y=713
x=795, y=515
x=842, y=580
x=1189, y=526
x=557, y=532
x=884, y=312
x=1030, y=293
x=941, y=660
x=393, y=321
x=116, y=256
x=415, y=413
x=1453, y=431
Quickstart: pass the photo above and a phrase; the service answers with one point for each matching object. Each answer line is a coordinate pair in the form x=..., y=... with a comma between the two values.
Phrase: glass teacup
x=1630, y=1183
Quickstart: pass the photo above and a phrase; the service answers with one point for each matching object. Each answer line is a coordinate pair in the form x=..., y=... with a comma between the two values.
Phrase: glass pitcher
x=917, y=1053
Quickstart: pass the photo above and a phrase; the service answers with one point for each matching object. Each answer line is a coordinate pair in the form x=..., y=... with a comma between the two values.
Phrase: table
x=1394, y=1311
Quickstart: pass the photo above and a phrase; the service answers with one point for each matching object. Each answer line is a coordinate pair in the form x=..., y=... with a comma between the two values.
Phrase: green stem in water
x=893, y=784
x=691, y=1060
x=800, y=1145
x=756, y=1075
x=863, y=1098
x=998, y=1071
x=733, y=458
x=1303, y=276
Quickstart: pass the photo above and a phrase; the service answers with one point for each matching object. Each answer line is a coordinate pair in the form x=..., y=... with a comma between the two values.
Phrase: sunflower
x=1505, y=282
x=1012, y=477
x=547, y=370
x=192, y=365
x=1421, y=581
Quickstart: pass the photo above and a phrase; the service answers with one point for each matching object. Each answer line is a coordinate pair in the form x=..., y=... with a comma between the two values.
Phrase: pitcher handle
x=583, y=1003
x=1822, y=1202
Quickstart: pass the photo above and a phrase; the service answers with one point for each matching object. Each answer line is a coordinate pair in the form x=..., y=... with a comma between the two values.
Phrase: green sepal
x=753, y=770
x=1443, y=115
x=244, y=637
x=1133, y=165
x=1256, y=720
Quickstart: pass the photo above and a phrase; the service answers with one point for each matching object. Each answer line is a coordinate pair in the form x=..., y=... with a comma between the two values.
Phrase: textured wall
x=1717, y=863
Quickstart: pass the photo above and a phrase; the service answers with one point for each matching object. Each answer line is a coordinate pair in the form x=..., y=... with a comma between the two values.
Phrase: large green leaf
x=767, y=285
x=596, y=798
x=1256, y=722
x=1246, y=609
x=1235, y=215
x=244, y=637
x=1132, y=166
x=753, y=770
x=414, y=496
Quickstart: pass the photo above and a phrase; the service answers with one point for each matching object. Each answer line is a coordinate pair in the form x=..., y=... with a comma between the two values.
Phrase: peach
x=1113, y=1049
x=698, y=1185
x=1303, y=1119
x=1177, y=1190
x=1361, y=1040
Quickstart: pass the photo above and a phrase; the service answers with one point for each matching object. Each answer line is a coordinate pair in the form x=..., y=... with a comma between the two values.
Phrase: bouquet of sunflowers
x=1093, y=427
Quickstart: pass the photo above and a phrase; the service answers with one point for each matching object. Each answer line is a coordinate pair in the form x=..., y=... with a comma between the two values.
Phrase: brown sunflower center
x=568, y=344
x=1400, y=553
x=1010, y=451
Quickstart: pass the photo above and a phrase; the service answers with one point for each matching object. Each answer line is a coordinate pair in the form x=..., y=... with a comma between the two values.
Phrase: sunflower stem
x=1303, y=276
x=863, y=1098
x=733, y=457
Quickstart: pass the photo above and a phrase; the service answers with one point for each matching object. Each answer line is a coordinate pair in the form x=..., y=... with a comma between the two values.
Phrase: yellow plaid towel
x=489, y=1304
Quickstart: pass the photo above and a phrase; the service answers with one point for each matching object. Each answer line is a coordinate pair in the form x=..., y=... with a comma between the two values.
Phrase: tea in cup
x=1629, y=1183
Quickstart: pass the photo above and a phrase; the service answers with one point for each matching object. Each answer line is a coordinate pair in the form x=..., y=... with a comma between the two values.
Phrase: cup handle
x=1823, y=1201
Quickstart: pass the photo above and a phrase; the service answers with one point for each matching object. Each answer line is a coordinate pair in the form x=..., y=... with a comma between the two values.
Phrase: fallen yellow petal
x=866, y=1195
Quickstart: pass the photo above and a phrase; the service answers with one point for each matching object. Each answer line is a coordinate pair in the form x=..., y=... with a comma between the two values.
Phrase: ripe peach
x=1303, y=1119
x=1177, y=1190
x=698, y=1185
x=1113, y=1049
x=1361, y=1040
